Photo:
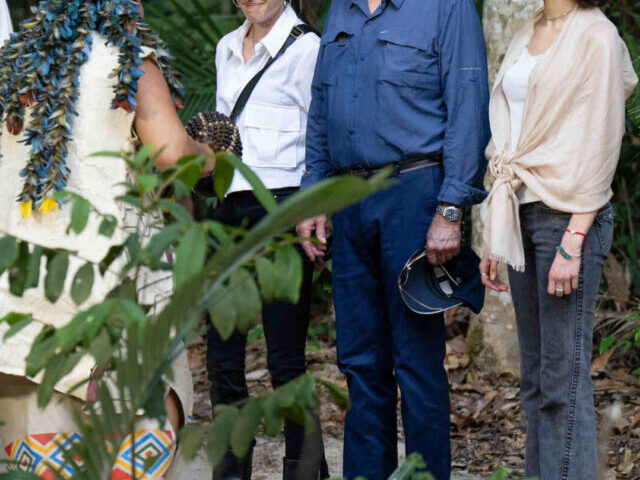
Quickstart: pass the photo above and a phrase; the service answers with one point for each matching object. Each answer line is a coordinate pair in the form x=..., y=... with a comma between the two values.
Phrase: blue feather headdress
x=39, y=68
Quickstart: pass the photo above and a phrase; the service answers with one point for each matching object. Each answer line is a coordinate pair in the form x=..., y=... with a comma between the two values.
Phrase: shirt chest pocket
x=337, y=55
x=407, y=60
x=271, y=135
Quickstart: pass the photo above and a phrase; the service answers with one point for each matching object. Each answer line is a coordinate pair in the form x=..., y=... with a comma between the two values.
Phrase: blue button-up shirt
x=409, y=79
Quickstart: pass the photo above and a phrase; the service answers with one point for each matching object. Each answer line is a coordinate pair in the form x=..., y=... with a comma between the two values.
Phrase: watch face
x=452, y=214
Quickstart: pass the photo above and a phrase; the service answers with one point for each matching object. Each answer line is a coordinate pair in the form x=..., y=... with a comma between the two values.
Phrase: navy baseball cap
x=428, y=289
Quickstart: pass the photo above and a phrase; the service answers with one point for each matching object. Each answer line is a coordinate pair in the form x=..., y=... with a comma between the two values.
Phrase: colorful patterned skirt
x=34, y=440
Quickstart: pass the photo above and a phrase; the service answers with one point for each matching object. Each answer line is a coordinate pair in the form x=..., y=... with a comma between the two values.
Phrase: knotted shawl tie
x=503, y=237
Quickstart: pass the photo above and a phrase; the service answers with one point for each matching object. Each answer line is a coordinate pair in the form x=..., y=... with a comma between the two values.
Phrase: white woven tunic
x=96, y=128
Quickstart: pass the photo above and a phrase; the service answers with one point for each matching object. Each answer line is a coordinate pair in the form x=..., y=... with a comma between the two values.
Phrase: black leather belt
x=404, y=166
x=248, y=195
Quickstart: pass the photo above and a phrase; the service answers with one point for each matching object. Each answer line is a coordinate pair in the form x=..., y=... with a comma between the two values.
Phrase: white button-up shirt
x=273, y=124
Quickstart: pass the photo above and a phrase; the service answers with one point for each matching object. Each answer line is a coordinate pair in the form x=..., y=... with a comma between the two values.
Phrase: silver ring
x=559, y=289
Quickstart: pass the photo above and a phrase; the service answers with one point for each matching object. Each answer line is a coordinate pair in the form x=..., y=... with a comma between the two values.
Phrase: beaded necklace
x=40, y=67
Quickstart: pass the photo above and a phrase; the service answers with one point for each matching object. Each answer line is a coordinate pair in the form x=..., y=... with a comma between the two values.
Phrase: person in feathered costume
x=80, y=77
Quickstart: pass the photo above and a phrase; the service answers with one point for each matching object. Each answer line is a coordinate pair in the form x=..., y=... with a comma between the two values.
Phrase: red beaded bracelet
x=575, y=232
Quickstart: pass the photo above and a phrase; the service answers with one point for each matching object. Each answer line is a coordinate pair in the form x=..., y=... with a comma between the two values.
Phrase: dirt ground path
x=268, y=462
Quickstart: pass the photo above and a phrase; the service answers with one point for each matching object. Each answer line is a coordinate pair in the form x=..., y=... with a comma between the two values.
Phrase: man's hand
x=306, y=229
x=443, y=240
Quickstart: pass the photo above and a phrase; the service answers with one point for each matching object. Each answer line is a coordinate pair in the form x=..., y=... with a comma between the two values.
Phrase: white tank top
x=515, y=85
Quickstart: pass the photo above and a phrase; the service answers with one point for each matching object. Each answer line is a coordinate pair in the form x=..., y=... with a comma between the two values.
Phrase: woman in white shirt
x=272, y=127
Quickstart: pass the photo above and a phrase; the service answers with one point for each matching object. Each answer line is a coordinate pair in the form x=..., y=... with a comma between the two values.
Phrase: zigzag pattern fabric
x=43, y=454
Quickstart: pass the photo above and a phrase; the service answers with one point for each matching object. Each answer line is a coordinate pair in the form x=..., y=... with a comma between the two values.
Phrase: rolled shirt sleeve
x=465, y=89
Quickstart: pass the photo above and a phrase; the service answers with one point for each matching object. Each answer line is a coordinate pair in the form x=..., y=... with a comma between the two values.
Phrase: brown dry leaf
x=627, y=461
x=598, y=365
x=457, y=345
x=636, y=420
x=606, y=384
x=624, y=376
x=618, y=281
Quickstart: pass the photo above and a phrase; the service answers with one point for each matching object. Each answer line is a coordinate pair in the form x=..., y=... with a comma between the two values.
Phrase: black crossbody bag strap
x=296, y=32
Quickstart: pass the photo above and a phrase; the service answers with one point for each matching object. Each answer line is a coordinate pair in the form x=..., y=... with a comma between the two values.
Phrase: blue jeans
x=381, y=343
x=556, y=336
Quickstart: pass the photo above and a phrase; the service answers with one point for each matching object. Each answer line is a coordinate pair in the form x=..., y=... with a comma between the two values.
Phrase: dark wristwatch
x=451, y=213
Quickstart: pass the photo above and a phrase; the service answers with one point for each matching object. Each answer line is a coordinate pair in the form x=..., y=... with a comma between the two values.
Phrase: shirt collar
x=396, y=3
x=274, y=40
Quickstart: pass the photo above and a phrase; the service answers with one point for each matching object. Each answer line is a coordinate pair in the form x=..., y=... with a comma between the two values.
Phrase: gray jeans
x=556, y=336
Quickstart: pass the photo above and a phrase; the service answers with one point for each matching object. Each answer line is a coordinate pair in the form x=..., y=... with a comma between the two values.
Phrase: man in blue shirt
x=400, y=82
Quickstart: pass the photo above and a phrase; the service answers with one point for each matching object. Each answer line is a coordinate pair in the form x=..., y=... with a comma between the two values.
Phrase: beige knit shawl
x=572, y=128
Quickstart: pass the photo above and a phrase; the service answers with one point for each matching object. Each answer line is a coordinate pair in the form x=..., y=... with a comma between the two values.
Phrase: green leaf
x=407, y=469
x=33, y=277
x=246, y=299
x=191, y=169
x=18, y=274
x=113, y=253
x=607, y=343
x=223, y=176
x=73, y=332
x=500, y=474
x=79, y=214
x=42, y=350
x=262, y=193
x=108, y=154
x=218, y=440
x=246, y=428
x=56, y=275
x=148, y=182
x=288, y=273
x=57, y=368
x=191, y=440
x=142, y=155
x=17, y=322
x=130, y=312
x=177, y=211
x=101, y=348
x=108, y=226
x=338, y=394
x=273, y=417
x=306, y=391
x=82, y=284
x=8, y=253
x=190, y=254
x=130, y=200
x=162, y=241
x=266, y=279
x=180, y=190
x=222, y=311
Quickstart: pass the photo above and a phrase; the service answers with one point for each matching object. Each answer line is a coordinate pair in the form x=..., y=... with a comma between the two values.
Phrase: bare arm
x=157, y=122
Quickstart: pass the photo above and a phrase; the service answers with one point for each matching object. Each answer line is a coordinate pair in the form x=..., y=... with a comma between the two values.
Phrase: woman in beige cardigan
x=557, y=120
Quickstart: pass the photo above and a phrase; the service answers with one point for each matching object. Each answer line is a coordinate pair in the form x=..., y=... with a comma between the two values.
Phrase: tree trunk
x=492, y=339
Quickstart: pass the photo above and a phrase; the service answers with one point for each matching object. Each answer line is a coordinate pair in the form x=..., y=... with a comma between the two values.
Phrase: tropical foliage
x=136, y=347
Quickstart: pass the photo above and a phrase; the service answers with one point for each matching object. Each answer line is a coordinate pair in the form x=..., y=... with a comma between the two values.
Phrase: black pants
x=285, y=328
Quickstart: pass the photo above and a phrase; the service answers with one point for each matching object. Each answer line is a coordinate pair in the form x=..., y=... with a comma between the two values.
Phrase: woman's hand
x=563, y=276
x=490, y=277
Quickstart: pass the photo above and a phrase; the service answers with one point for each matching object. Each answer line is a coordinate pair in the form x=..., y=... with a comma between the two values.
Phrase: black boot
x=234, y=468
x=305, y=457
x=291, y=471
